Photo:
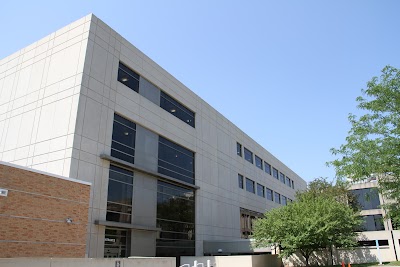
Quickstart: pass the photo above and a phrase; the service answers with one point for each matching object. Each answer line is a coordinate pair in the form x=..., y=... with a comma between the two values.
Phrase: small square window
x=275, y=173
x=248, y=155
x=239, y=149
x=282, y=177
x=250, y=186
x=267, y=168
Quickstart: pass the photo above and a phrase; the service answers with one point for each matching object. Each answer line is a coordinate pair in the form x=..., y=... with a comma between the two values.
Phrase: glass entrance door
x=117, y=243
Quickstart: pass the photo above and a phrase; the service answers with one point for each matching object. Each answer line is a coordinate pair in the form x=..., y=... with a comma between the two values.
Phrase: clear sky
x=286, y=72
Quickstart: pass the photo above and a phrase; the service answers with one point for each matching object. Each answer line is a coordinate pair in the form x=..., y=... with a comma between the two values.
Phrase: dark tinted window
x=267, y=168
x=123, y=139
x=269, y=194
x=239, y=149
x=250, y=185
x=372, y=223
x=177, y=109
x=259, y=162
x=275, y=173
x=176, y=218
x=175, y=161
x=128, y=77
x=119, y=197
x=277, y=197
x=260, y=190
x=366, y=198
x=292, y=184
x=240, y=180
x=248, y=155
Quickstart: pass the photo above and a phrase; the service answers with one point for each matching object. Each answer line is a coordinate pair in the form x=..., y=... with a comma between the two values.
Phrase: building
x=41, y=214
x=375, y=228
x=168, y=172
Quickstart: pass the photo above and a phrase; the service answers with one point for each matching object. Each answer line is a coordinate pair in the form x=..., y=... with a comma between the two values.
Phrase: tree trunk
x=307, y=258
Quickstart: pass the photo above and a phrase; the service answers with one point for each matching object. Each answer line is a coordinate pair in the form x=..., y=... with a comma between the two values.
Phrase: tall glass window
x=275, y=173
x=277, y=197
x=260, y=190
x=239, y=149
x=128, y=77
x=240, y=181
x=259, y=162
x=119, y=197
x=250, y=186
x=123, y=139
x=248, y=155
x=366, y=198
x=176, y=218
x=177, y=109
x=117, y=243
x=292, y=184
x=247, y=218
x=175, y=161
x=269, y=194
x=267, y=168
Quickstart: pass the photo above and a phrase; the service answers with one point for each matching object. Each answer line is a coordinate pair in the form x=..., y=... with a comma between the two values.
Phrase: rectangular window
x=239, y=149
x=123, y=139
x=282, y=177
x=292, y=184
x=177, y=109
x=289, y=200
x=288, y=182
x=248, y=155
x=260, y=190
x=259, y=162
x=372, y=243
x=176, y=218
x=128, y=77
x=283, y=200
x=240, y=180
x=175, y=161
x=267, y=168
x=277, y=197
x=250, y=186
x=366, y=198
x=269, y=194
x=119, y=196
x=275, y=173
x=372, y=223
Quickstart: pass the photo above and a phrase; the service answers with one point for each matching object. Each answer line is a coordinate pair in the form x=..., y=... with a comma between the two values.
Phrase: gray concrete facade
x=58, y=97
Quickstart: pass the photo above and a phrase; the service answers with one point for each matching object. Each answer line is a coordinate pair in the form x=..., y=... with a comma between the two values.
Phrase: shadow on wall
x=323, y=257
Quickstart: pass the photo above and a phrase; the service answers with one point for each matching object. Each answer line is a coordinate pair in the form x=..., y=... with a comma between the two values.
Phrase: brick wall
x=33, y=215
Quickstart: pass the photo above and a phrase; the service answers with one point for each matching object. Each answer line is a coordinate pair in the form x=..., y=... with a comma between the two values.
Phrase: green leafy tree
x=313, y=222
x=372, y=146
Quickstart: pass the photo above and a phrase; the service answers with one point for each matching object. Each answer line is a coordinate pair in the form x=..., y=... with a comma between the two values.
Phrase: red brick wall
x=32, y=216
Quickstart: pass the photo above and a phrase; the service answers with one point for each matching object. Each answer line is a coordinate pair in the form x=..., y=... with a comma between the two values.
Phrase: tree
x=372, y=147
x=313, y=222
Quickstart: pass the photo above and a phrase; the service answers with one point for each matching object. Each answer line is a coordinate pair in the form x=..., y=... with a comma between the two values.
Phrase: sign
x=3, y=192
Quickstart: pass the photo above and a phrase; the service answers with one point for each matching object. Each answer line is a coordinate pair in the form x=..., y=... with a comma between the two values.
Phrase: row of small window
x=131, y=79
x=248, y=155
x=262, y=191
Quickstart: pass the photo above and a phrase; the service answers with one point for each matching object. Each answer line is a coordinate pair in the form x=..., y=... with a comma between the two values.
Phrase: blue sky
x=286, y=72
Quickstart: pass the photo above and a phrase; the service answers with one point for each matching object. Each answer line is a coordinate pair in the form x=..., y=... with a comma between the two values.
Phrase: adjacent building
x=168, y=171
x=41, y=214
